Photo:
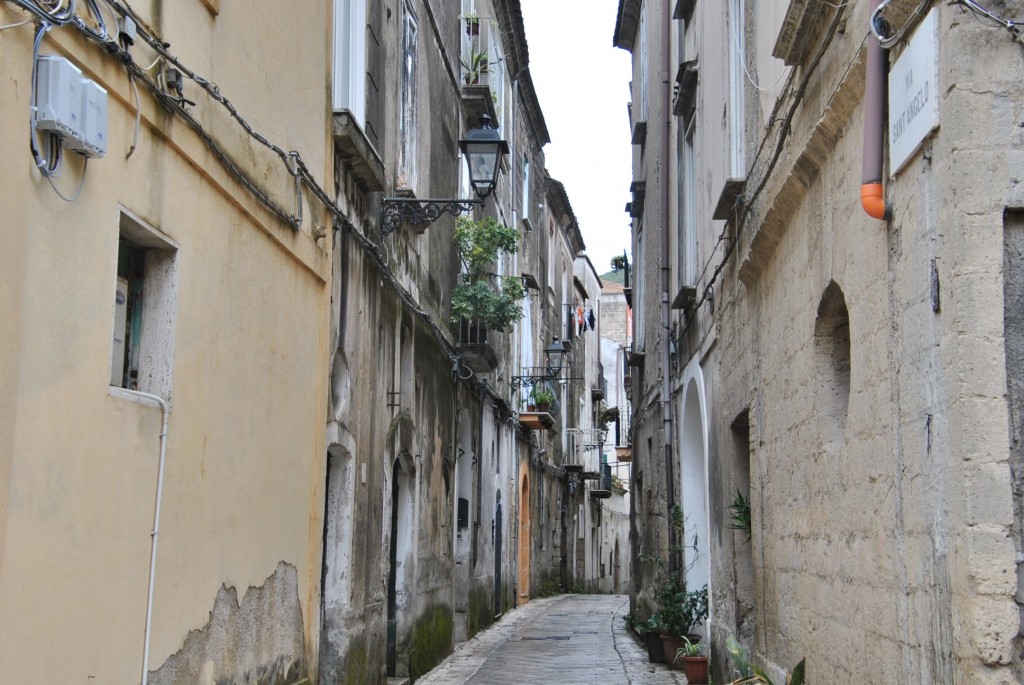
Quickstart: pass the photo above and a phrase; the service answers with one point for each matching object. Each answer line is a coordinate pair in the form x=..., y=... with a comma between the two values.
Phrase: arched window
x=832, y=365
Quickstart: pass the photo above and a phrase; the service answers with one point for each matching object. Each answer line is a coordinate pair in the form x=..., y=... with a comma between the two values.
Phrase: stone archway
x=400, y=529
x=694, y=479
x=523, y=581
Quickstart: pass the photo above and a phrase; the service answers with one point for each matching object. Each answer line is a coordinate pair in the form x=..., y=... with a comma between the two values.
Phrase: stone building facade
x=163, y=345
x=348, y=481
x=853, y=361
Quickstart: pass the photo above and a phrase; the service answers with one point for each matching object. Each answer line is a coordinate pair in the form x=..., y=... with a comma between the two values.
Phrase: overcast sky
x=583, y=86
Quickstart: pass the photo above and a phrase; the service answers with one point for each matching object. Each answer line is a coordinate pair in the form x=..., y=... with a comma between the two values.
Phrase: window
x=496, y=77
x=408, y=111
x=526, y=192
x=689, y=206
x=638, y=288
x=145, y=293
x=350, y=58
x=641, y=73
x=737, y=66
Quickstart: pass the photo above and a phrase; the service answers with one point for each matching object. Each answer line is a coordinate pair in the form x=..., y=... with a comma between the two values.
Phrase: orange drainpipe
x=872, y=197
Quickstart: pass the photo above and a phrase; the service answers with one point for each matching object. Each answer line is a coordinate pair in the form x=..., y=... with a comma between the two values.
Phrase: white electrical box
x=120, y=325
x=58, y=96
x=93, y=142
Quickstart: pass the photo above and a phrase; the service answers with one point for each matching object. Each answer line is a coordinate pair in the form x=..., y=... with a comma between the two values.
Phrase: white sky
x=582, y=83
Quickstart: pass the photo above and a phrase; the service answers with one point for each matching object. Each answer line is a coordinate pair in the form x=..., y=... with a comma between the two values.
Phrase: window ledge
x=477, y=101
x=356, y=153
x=730, y=200
x=800, y=17
x=639, y=133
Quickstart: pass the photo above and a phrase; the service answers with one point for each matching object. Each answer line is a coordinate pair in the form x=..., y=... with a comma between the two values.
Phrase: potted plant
x=476, y=64
x=650, y=632
x=472, y=24
x=750, y=674
x=543, y=398
x=481, y=295
x=680, y=612
x=695, y=664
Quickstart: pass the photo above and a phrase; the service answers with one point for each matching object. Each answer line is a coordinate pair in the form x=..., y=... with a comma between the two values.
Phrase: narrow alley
x=568, y=639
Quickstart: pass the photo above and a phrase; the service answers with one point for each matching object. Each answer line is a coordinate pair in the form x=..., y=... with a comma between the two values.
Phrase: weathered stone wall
x=879, y=478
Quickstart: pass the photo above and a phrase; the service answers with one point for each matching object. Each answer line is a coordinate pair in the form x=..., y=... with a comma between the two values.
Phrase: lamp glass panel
x=483, y=159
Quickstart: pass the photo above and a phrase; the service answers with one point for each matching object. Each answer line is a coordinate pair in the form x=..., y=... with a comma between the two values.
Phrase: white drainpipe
x=156, y=524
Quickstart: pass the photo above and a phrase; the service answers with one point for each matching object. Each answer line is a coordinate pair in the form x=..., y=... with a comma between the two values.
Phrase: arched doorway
x=399, y=555
x=693, y=478
x=616, y=570
x=498, y=525
x=523, y=580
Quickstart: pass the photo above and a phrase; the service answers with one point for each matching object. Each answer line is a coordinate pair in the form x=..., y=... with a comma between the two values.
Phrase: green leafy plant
x=608, y=415
x=739, y=517
x=543, y=396
x=619, y=262
x=749, y=673
x=679, y=610
x=689, y=648
x=494, y=300
x=476, y=64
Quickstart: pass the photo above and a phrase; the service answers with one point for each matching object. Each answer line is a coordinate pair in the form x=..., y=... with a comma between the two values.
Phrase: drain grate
x=547, y=637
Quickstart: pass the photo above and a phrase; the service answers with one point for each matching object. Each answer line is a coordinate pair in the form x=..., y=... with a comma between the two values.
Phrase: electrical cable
x=15, y=24
x=50, y=164
x=138, y=114
x=780, y=145
x=81, y=184
x=55, y=15
x=1010, y=24
x=734, y=31
x=878, y=25
x=292, y=159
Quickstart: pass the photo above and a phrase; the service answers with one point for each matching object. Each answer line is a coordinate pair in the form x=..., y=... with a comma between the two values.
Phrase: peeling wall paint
x=258, y=641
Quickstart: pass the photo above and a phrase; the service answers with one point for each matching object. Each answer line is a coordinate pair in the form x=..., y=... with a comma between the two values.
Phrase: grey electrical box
x=73, y=107
x=93, y=142
x=58, y=96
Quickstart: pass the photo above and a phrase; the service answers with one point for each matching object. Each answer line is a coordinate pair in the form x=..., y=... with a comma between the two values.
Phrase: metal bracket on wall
x=395, y=211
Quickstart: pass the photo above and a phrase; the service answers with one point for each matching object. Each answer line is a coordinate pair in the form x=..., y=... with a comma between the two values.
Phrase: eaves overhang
x=626, y=20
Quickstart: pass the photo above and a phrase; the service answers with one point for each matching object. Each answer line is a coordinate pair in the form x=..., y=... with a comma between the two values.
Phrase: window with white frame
x=641, y=72
x=408, y=110
x=145, y=296
x=737, y=65
x=496, y=75
x=689, y=218
x=350, y=58
x=525, y=206
x=638, y=289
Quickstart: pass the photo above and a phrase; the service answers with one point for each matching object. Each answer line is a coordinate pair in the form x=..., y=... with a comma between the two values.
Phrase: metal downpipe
x=872, y=196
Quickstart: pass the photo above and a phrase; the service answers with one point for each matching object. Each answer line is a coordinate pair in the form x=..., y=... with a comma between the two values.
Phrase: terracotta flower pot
x=695, y=668
x=671, y=645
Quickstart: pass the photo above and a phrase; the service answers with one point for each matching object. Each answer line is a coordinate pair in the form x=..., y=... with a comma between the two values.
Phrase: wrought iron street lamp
x=483, y=149
x=534, y=375
x=554, y=353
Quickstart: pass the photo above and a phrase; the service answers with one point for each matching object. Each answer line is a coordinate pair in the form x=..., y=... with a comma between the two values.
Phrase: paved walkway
x=564, y=640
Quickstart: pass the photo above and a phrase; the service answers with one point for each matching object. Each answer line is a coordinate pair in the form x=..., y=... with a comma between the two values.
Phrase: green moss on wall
x=431, y=640
x=481, y=613
x=550, y=585
x=355, y=663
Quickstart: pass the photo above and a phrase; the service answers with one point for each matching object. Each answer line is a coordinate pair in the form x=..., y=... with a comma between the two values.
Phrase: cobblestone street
x=565, y=640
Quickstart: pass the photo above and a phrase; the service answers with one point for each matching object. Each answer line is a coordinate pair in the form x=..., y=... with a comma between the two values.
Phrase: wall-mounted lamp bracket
x=533, y=376
x=395, y=211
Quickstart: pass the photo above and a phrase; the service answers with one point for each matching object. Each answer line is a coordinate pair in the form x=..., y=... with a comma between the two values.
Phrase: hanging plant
x=493, y=300
x=739, y=517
